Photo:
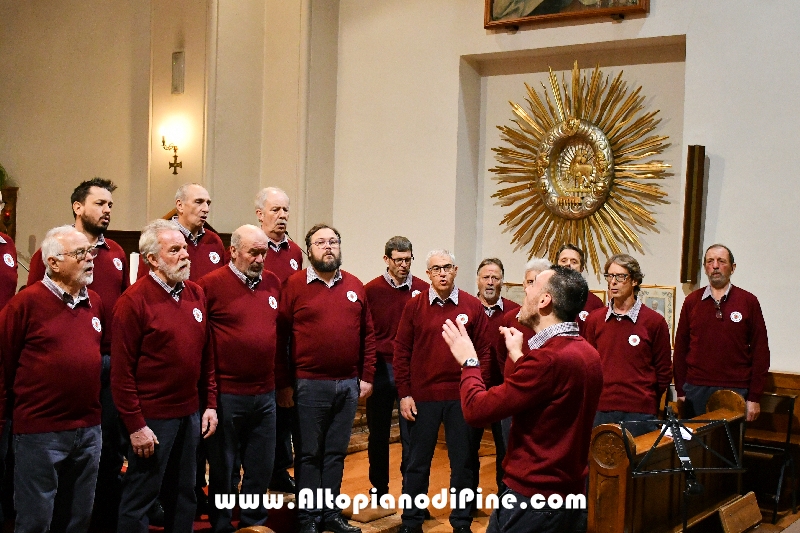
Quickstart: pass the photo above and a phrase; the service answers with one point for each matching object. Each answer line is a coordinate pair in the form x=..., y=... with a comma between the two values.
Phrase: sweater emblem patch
x=9, y=260
x=634, y=340
x=414, y=293
x=96, y=324
x=352, y=296
x=736, y=316
x=293, y=264
x=214, y=257
x=463, y=319
x=198, y=314
x=118, y=263
x=583, y=315
x=273, y=303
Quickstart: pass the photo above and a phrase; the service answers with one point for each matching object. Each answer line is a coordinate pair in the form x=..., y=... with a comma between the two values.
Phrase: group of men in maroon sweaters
x=243, y=350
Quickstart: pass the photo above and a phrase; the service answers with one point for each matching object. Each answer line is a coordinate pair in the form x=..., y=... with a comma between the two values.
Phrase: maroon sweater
x=592, y=302
x=331, y=330
x=637, y=366
x=728, y=352
x=243, y=335
x=285, y=262
x=111, y=278
x=206, y=256
x=501, y=352
x=494, y=322
x=424, y=367
x=386, y=305
x=51, y=361
x=8, y=270
x=157, y=354
x=552, y=398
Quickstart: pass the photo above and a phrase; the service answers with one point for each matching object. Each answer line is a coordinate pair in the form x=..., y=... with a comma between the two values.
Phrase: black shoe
x=340, y=525
x=282, y=482
x=462, y=529
x=308, y=527
x=156, y=514
x=410, y=529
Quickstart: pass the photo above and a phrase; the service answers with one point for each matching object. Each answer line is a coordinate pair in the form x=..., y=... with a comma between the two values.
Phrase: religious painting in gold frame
x=578, y=167
x=505, y=13
x=600, y=293
x=661, y=299
x=514, y=292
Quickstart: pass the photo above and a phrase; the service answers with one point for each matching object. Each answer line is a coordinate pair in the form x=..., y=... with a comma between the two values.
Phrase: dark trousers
x=325, y=413
x=500, y=444
x=462, y=449
x=285, y=429
x=530, y=520
x=697, y=397
x=246, y=430
x=172, y=464
x=112, y=455
x=615, y=417
x=379, y=421
x=54, y=480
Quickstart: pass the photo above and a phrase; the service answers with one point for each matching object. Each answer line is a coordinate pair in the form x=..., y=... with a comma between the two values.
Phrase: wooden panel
x=652, y=504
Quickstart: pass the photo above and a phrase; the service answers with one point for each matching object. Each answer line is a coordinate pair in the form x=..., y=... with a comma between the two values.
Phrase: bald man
x=242, y=309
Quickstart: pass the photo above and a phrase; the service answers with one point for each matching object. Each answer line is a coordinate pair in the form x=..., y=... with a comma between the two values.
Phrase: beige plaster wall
x=74, y=104
x=406, y=146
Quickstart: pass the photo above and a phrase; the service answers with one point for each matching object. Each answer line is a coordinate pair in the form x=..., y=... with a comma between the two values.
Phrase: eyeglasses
x=719, y=310
x=444, y=268
x=333, y=243
x=621, y=278
x=401, y=260
x=81, y=253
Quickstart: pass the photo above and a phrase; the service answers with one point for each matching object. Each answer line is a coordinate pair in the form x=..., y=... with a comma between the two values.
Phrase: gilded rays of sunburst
x=580, y=167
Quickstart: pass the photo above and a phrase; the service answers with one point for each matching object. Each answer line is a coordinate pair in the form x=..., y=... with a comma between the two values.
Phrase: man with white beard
x=160, y=376
x=51, y=353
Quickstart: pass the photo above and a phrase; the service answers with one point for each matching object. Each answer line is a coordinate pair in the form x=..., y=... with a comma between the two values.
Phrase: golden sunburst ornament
x=580, y=170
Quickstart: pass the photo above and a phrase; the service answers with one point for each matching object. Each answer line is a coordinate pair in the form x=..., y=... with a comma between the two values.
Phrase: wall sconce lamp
x=174, y=164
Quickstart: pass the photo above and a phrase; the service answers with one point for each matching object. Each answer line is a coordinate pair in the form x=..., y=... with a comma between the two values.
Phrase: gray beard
x=174, y=274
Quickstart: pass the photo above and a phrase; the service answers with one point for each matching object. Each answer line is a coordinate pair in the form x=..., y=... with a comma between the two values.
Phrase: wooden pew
x=619, y=503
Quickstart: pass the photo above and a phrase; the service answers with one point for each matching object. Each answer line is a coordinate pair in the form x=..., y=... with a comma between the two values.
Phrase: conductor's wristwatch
x=471, y=362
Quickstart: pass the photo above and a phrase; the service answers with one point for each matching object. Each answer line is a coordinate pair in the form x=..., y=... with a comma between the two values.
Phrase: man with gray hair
x=284, y=258
x=429, y=394
x=51, y=353
x=205, y=248
x=158, y=362
x=721, y=342
x=242, y=317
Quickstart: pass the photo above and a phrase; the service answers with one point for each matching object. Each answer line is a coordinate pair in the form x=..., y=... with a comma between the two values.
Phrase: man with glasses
x=51, y=353
x=91, y=207
x=633, y=342
x=332, y=340
x=284, y=258
x=721, y=342
x=427, y=380
x=161, y=374
x=573, y=257
x=387, y=295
